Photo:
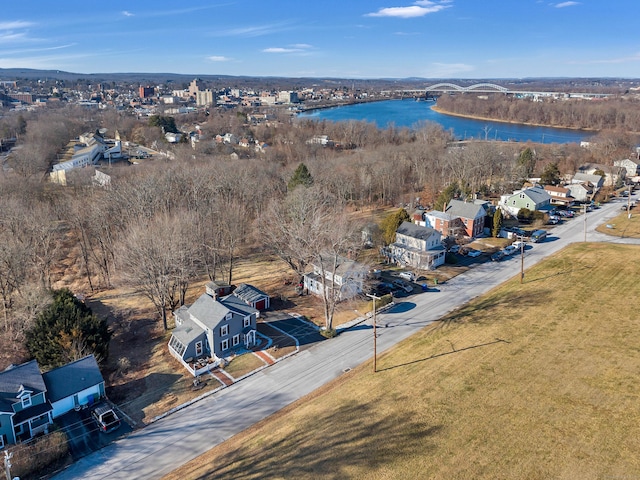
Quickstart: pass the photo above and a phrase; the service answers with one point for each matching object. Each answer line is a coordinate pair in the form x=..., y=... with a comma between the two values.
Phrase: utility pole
x=375, y=336
x=521, y=260
x=585, y=222
x=629, y=203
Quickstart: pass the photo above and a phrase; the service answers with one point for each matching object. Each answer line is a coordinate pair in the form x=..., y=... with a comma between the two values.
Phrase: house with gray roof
x=532, y=198
x=596, y=180
x=211, y=329
x=74, y=385
x=24, y=408
x=471, y=215
x=417, y=247
x=338, y=274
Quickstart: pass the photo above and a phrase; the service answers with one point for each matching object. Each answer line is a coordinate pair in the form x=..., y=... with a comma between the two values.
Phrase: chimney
x=211, y=289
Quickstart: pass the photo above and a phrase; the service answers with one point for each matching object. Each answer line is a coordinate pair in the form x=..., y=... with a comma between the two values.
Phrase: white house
x=417, y=247
x=632, y=167
x=345, y=276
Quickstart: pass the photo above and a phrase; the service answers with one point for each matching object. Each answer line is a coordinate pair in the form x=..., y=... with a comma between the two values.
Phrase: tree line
x=621, y=113
x=165, y=223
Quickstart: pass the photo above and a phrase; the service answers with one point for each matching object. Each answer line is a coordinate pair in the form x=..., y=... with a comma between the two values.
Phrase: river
x=409, y=113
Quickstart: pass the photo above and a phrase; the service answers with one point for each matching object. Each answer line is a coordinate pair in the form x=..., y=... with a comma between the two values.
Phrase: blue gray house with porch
x=211, y=329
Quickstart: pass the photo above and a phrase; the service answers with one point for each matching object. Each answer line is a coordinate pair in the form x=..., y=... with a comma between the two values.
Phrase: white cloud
x=13, y=25
x=420, y=8
x=295, y=48
x=566, y=4
x=281, y=50
x=218, y=58
x=126, y=13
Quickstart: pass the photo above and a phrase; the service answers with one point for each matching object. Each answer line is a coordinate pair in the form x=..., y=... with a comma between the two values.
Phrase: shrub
x=37, y=455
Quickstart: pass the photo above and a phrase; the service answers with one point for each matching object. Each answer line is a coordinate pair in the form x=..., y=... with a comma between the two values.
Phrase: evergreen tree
x=67, y=330
x=390, y=224
x=453, y=190
x=550, y=175
x=497, y=223
x=527, y=161
x=300, y=177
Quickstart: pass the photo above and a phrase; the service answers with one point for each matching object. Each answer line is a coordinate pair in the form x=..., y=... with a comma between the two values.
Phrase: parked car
x=518, y=245
x=509, y=250
x=472, y=252
x=455, y=249
x=106, y=418
x=496, y=257
x=538, y=236
x=403, y=285
x=408, y=276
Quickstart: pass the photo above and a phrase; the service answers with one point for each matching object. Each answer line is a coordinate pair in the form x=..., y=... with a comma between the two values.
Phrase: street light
x=375, y=369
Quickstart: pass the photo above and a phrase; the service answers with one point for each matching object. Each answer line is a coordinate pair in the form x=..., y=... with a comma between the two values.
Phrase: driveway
x=281, y=328
x=83, y=434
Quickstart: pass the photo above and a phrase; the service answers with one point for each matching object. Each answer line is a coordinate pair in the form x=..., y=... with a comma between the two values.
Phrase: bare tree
x=156, y=258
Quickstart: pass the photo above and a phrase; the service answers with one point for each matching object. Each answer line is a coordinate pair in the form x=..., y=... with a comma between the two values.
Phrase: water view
x=409, y=113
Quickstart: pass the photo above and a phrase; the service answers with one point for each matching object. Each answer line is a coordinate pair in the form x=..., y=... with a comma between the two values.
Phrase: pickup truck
x=106, y=418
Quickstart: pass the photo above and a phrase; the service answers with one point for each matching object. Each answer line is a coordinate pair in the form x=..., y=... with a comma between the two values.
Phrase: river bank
x=435, y=108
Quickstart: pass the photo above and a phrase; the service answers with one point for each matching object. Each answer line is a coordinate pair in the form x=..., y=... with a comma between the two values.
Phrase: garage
x=252, y=296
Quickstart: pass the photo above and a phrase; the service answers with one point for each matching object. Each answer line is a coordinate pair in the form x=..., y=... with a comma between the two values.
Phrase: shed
x=252, y=296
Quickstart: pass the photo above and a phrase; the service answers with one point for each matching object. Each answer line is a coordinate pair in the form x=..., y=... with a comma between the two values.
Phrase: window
x=247, y=321
x=198, y=349
x=224, y=330
x=236, y=340
x=177, y=346
x=26, y=401
x=224, y=345
x=228, y=316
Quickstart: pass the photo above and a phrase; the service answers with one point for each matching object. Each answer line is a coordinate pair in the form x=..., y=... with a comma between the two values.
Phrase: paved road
x=163, y=446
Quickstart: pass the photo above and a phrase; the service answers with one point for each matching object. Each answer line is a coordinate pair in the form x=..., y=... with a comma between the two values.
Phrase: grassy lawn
x=243, y=364
x=622, y=226
x=530, y=381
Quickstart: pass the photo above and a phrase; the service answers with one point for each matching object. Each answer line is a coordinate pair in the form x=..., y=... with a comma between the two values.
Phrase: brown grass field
x=531, y=381
x=623, y=226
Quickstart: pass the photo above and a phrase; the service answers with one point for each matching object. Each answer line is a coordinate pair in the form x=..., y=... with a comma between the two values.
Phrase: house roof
x=416, y=231
x=554, y=190
x=249, y=293
x=472, y=210
x=441, y=215
x=344, y=264
x=585, y=177
x=211, y=312
x=188, y=331
x=536, y=194
x=72, y=378
x=26, y=376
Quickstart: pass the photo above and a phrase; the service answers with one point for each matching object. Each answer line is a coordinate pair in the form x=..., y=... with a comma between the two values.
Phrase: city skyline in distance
x=356, y=39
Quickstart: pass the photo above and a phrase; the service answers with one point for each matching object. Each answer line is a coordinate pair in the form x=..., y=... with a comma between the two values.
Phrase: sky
x=472, y=39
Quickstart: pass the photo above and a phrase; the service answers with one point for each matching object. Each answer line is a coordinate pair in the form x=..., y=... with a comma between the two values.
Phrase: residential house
x=211, y=329
x=533, y=198
x=612, y=174
x=582, y=192
x=74, y=385
x=559, y=195
x=345, y=277
x=471, y=214
x=416, y=247
x=24, y=408
x=252, y=296
x=443, y=223
x=632, y=167
x=596, y=180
